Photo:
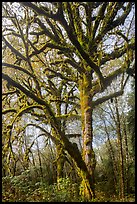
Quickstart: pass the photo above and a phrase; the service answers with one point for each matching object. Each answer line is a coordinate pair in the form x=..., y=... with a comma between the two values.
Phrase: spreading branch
x=29, y=94
x=18, y=68
x=16, y=52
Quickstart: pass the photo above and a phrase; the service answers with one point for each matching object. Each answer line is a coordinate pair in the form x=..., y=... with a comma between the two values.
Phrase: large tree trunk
x=87, y=190
x=85, y=163
x=60, y=161
x=59, y=148
x=86, y=114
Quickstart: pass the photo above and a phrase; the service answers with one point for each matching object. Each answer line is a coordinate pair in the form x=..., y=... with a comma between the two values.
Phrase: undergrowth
x=24, y=188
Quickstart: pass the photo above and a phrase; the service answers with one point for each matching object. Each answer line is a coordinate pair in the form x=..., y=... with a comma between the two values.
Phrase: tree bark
x=87, y=134
x=59, y=148
x=60, y=161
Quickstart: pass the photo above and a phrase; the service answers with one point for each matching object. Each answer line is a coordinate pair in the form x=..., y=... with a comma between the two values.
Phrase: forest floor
x=23, y=189
x=102, y=197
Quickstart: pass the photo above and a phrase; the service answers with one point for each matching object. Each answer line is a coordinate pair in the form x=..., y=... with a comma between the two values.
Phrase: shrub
x=22, y=188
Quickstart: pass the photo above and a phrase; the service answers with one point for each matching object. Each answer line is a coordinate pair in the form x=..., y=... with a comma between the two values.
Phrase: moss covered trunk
x=59, y=148
x=85, y=163
x=60, y=161
x=87, y=134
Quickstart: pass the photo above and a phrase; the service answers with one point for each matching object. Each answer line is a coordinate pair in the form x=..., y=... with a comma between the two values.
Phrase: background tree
x=130, y=121
x=116, y=163
x=78, y=34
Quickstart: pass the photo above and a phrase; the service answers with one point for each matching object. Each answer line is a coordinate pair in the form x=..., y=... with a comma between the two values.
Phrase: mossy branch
x=30, y=95
x=48, y=45
x=9, y=92
x=20, y=113
x=9, y=110
x=54, y=139
x=16, y=52
x=42, y=10
x=18, y=68
x=108, y=79
x=69, y=116
x=105, y=98
x=72, y=135
x=117, y=53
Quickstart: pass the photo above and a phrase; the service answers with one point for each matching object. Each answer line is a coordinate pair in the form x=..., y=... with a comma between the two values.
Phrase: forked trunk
x=85, y=163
